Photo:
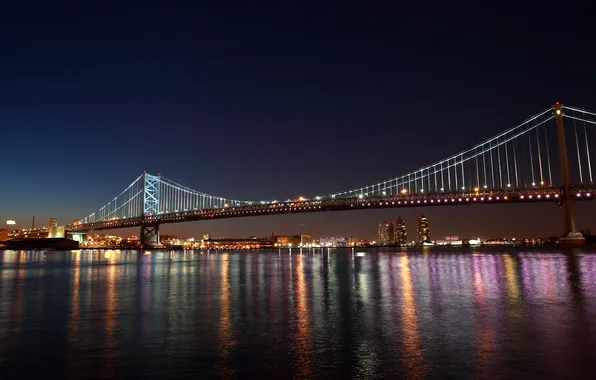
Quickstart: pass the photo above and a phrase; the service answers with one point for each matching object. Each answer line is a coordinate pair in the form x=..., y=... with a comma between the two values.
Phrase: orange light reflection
x=413, y=359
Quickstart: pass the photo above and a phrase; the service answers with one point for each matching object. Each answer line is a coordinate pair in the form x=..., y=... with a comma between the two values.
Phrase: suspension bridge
x=526, y=163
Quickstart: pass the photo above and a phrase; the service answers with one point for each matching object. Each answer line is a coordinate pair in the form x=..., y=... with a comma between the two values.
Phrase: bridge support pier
x=571, y=236
x=149, y=236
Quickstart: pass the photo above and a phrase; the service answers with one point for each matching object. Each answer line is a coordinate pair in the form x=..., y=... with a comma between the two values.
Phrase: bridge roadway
x=546, y=194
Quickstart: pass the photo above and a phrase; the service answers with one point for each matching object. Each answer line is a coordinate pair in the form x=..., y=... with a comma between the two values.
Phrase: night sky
x=259, y=101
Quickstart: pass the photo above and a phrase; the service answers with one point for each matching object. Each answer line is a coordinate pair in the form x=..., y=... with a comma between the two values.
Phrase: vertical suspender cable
x=442, y=179
x=484, y=165
x=579, y=161
x=477, y=174
x=515, y=164
x=588, y=152
x=507, y=163
x=539, y=158
x=531, y=158
x=492, y=167
x=550, y=174
x=500, y=170
x=448, y=175
x=463, y=179
x=455, y=172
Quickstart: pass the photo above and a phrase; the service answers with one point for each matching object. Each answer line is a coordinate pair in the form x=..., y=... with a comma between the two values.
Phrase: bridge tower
x=150, y=231
x=571, y=237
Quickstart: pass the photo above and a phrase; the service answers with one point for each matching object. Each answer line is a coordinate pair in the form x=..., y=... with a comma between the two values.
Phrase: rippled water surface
x=322, y=314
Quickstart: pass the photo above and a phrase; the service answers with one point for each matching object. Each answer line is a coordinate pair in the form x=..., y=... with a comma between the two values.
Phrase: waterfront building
x=290, y=240
x=386, y=233
x=422, y=230
x=341, y=241
x=401, y=234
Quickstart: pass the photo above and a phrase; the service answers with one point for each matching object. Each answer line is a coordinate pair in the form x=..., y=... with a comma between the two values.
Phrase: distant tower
x=401, y=234
x=386, y=233
x=422, y=230
x=33, y=223
x=53, y=227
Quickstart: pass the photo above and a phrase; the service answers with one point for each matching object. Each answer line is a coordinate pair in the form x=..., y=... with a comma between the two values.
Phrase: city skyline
x=234, y=116
x=322, y=224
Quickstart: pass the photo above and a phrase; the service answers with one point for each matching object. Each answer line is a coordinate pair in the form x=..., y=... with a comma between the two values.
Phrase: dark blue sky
x=258, y=101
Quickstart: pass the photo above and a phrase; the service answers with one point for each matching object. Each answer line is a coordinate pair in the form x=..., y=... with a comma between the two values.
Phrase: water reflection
x=303, y=338
x=226, y=337
x=413, y=359
x=309, y=314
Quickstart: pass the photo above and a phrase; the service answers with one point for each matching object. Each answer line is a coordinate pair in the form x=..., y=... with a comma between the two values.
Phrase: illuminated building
x=254, y=243
x=3, y=234
x=56, y=231
x=341, y=241
x=386, y=233
x=422, y=230
x=290, y=240
x=167, y=238
x=401, y=235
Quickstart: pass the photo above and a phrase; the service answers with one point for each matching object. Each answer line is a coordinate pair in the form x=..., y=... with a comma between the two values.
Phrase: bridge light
x=360, y=196
x=508, y=185
x=485, y=186
x=476, y=189
x=317, y=197
x=384, y=193
x=226, y=205
x=533, y=184
x=442, y=189
x=542, y=182
x=558, y=112
x=404, y=191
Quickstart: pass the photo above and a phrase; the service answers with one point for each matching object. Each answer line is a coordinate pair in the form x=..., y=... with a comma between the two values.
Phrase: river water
x=339, y=313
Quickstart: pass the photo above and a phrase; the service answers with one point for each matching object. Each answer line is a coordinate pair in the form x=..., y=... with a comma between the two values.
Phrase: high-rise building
x=401, y=235
x=386, y=233
x=3, y=234
x=422, y=230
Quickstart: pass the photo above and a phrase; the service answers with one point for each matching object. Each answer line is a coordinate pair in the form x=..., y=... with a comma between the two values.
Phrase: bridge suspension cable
x=488, y=160
x=582, y=162
x=510, y=160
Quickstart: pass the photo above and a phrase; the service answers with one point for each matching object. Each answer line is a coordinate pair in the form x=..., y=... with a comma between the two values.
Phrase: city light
x=11, y=222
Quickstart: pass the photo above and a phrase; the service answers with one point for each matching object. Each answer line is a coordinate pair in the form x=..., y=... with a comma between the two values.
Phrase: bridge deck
x=550, y=194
